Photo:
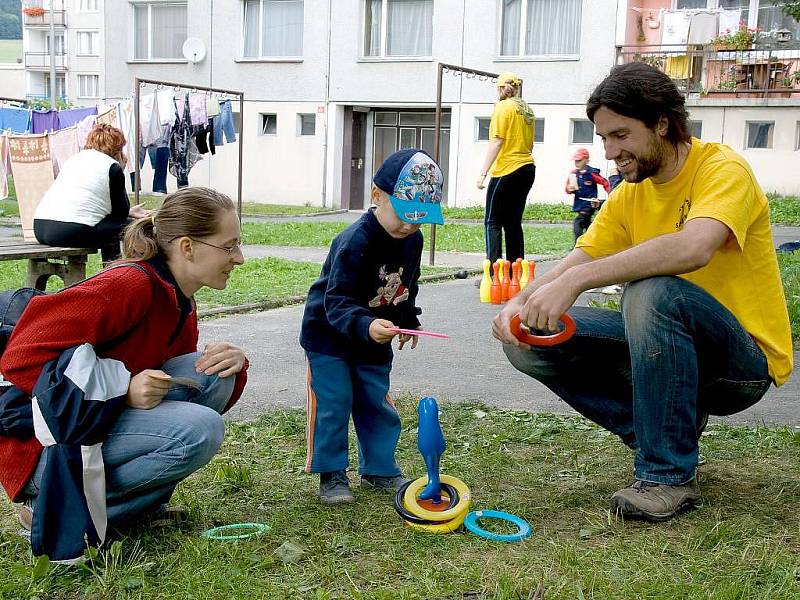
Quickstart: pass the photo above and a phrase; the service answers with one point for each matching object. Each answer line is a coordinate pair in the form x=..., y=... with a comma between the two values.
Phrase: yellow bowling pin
x=486, y=282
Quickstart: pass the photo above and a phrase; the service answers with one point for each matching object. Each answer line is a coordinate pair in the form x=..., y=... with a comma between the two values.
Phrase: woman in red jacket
x=138, y=321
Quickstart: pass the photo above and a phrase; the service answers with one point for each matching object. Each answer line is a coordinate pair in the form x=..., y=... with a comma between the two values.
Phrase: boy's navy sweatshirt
x=368, y=275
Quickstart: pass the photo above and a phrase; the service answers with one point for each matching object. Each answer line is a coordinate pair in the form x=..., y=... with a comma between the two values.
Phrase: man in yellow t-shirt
x=703, y=328
x=512, y=170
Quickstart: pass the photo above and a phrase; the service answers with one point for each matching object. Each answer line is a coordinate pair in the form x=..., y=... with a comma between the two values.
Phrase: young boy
x=367, y=289
x=582, y=182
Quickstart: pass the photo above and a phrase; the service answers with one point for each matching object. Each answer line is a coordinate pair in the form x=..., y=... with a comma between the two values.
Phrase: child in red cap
x=582, y=183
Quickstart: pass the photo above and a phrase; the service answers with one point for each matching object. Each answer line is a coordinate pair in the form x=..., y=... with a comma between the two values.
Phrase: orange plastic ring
x=522, y=333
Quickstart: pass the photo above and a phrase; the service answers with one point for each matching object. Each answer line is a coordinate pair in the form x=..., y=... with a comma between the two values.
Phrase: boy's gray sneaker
x=334, y=488
x=655, y=501
x=381, y=482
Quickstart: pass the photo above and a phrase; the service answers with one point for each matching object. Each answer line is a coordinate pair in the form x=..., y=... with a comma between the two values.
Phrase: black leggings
x=582, y=221
x=105, y=235
x=505, y=203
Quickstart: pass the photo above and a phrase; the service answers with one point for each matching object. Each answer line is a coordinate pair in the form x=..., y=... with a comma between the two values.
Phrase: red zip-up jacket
x=124, y=301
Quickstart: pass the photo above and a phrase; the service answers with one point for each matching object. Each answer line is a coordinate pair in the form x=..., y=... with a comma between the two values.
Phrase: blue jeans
x=148, y=452
x=159, y=160
x=650, y=372
x=338, y=388
x=223, y=123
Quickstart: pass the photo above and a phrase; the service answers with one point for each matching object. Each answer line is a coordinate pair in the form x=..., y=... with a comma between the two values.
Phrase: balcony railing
x=41, y=60
x=754, y=72
x=43, y=20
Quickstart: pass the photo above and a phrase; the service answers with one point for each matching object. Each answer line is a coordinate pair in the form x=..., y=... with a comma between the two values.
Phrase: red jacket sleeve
x=602, y=181
x=238, y=387
x=98, y=310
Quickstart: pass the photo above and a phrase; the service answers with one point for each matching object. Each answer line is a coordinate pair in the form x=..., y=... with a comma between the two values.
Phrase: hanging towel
x=676, y=31
x=149, y=120
x=44, y=121
x=63, y=145
x=109, y=117
x=166, y=106
x=73, y=116
x=127, y=125
x=729, y=20
x=3, y=171
x=197, y=110
x=212, y=106
x=678, y=67
x=33, y=175
x=702, y=28
x=84, y=127
x=16, y=120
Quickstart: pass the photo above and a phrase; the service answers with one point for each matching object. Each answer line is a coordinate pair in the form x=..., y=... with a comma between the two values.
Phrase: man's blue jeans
x=148, y=452
x=223, y=123
x=648, y=373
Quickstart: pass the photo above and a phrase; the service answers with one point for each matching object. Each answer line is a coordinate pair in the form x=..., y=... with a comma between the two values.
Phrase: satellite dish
x=194, y=50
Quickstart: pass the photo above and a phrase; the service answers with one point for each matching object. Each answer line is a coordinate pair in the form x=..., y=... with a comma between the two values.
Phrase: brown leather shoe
x=655, y=501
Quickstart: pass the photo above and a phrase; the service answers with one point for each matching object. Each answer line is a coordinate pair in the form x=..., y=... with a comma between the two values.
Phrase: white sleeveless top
x=81, y=193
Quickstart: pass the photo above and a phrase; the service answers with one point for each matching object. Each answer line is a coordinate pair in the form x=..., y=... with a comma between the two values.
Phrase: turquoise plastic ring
x=249, y=530
x=471, y=523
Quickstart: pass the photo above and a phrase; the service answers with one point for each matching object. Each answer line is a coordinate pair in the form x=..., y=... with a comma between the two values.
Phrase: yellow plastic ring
x=445, y=526
x=410, y=499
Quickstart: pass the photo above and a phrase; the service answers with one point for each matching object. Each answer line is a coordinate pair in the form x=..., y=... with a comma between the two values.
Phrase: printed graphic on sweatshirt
x=392, y=291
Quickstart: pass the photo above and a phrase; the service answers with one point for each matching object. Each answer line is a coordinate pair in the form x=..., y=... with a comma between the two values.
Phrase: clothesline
x=139, y=83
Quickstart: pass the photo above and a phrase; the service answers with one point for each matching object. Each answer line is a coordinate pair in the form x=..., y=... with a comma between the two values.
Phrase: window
x=159, y=30
x=269, y=124
x=88, y=6
x=482, y=128
x=398, y=27
x=385, y=118
x=60, y=46
x=61, y=85
x=88, y=86
x=759, y=134
x=88, y=43
x=273, y=28
x=766, y=14
x=540, y=28
x=797, y=136
x=306, y=124
x=582, y=131
x=696, y=128
x=538, y=132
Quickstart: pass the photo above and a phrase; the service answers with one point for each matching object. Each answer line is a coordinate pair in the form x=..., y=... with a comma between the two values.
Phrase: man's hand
x=480, y=183
x=501, y=324
x=147, y=389
x=382, y=331
x=545, y=306
x=221, y=358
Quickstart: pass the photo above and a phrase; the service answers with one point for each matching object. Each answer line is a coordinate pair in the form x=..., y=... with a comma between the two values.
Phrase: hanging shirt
x=44, y=121
x=63, y=146
x=149, y=119
x=73, y=116
x=676, y=31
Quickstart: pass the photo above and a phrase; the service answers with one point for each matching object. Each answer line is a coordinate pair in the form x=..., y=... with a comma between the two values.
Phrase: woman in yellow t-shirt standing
x=512, y=170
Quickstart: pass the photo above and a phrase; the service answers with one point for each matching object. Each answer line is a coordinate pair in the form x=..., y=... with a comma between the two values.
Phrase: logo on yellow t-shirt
x=682, y=212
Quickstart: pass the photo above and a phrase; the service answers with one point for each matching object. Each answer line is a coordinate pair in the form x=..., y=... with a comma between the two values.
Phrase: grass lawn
x=550, y=213
x=248, y=208
x=10, y=51
x=556, y=472
x=784, y=210
x=461, y=238
x=790, y=274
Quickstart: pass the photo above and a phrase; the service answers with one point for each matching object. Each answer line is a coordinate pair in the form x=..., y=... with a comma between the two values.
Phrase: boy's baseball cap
x=506, y=78
x=413, y=181
x=580, y=154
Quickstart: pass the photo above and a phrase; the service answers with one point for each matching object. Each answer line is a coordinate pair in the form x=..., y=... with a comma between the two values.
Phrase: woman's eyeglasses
x=232, y=250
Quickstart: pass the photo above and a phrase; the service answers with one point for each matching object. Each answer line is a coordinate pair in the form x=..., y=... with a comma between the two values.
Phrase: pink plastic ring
x=523, y=334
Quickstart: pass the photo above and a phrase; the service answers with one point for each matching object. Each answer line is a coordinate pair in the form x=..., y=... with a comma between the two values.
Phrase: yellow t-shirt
x=743, y=274
x=517, y=137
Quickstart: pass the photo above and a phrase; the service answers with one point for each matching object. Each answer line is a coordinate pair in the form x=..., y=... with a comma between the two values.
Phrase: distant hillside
x=10, y=20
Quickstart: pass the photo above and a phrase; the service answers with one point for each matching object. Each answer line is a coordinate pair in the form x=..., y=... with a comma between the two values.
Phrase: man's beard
x=650, y=163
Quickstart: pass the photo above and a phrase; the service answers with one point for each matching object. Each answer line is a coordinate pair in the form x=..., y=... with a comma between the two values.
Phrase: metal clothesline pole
x=139, y=82
x=437, y=127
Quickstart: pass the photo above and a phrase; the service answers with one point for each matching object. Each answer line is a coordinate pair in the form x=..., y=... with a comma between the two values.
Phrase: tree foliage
x=10, y=20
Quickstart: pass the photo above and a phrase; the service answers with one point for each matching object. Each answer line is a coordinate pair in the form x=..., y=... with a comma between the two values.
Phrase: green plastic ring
x=216, y=533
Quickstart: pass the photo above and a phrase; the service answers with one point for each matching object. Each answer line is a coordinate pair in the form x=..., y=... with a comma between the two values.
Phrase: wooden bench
x=43, y=261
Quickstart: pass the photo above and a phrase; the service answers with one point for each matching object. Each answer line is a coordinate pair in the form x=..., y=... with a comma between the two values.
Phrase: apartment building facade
x=78, y=46
x=333, y=86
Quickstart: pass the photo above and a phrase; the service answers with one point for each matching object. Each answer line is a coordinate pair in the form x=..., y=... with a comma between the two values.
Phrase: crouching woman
x=113, y=404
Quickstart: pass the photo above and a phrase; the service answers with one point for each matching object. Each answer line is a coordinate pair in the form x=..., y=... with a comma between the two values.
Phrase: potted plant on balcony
x=33, y=11
x=742, y=38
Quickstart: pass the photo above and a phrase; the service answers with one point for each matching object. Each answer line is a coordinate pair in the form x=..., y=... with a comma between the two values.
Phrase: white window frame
x=97, y=85
x=300, y=124
x=85, y=6
x=539, y=129
x=261, y=56
x=797, y=137
x=59, y=76
x=132, y=40
x=262, y=124
x=478, y=121
x=95, y=47
x=59, y=35
x=572, y=123
x=770, y=140
x=699, y=123
x=382, y=53
x=752, y=15
x=521, y=55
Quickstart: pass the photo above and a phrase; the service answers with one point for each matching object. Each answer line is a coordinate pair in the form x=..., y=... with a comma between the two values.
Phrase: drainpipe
x=52, y=56
x=325, y=119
